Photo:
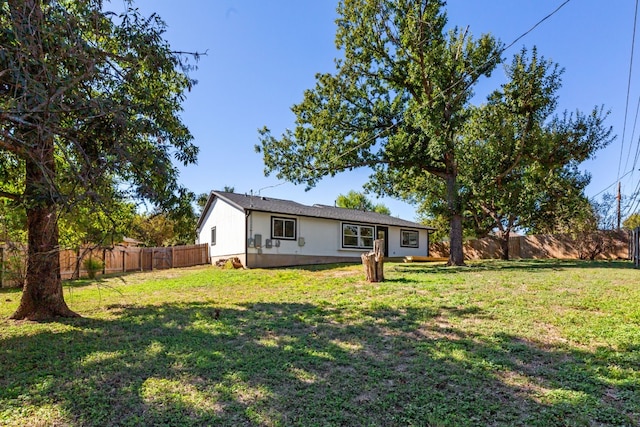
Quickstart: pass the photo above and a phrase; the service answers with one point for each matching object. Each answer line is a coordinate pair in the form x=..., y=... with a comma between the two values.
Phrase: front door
x=383, y=233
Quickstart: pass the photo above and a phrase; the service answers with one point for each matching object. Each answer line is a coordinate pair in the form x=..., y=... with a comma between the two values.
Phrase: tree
x=632, y=221
x=396, y=103
x=90, y=225
x=153, y=230
x=519, y=165
x=359, y=201
x=161, y=228
x=89, y=103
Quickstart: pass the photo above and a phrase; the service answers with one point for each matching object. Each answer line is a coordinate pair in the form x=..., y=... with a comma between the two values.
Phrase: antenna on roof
x=271, y=186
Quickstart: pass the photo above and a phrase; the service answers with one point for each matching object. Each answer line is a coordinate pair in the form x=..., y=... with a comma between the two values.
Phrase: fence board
x=119, y=259
x=537, y=246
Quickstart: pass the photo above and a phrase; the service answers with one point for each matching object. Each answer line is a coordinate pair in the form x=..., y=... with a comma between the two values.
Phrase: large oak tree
x=89, y=107
x=519, y=159
x=396, y=103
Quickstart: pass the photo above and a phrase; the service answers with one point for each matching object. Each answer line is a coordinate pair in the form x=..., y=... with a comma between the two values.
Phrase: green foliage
x=105, y=224
x=90, y=104
x=160, y=229
x=13, y=222
x=152, y=230
x=201, y=202
x=518, y=164
x=632, y=221
x=92, y=266
x=359, y=201
x=396, y=103
x=115, y=115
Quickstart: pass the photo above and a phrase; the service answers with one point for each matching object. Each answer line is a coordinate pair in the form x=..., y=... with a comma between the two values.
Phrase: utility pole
x=619, y=198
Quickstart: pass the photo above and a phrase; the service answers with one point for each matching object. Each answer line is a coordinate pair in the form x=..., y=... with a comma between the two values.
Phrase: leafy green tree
x=153, y=230
x=103, y=225
x=632, y=221
x=88, y=100
x=518, y=164
x=359, y=201
x=396, y=103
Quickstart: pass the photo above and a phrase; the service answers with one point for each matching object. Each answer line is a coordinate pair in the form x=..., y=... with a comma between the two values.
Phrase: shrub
x=92, y=266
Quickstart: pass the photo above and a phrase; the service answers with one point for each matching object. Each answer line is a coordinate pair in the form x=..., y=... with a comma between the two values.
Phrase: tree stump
x=373, y=262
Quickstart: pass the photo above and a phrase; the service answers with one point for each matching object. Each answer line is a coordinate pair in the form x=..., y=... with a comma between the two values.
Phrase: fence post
x=635, y=247
x=173, y=258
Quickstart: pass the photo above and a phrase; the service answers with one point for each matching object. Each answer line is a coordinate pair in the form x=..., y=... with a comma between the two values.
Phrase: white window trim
x=358, y=235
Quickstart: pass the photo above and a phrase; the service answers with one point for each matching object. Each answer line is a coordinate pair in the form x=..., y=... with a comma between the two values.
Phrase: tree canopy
x=519, y=161
x=396, y=103
x=632, y=221
x=356, y=200
x=89, y=113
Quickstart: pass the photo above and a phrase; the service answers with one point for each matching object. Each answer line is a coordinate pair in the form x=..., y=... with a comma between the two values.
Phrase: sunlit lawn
x=531, y=343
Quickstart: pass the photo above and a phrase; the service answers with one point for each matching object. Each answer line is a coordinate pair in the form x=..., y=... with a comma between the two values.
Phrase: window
x=357, y=236
x=213, y=236
x=283, y=228
x=409, y=238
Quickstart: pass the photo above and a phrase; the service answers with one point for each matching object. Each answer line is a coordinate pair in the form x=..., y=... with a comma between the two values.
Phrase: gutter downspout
x=248, y=229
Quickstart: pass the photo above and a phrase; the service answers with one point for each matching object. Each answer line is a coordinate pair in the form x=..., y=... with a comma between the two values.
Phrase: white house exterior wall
x=322, y=239
x=229, y=222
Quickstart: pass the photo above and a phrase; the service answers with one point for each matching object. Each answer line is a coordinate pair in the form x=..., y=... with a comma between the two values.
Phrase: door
x=383, y=233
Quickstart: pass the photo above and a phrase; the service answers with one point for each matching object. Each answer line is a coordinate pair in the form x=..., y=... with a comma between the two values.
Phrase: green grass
x=530, y=343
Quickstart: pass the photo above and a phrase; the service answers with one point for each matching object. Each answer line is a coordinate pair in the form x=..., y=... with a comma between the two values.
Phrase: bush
x=92, y=266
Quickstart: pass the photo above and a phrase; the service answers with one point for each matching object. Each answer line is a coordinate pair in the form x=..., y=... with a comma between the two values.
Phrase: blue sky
x=262, y=55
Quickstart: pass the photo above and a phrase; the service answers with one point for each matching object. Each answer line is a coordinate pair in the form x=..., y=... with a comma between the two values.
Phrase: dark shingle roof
x=287, y=207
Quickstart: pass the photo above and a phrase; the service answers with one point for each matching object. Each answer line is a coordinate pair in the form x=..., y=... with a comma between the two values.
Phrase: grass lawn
x=530, y=343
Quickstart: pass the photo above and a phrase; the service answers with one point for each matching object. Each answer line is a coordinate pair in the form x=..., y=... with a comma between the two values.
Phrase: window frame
x=213, y=235
x=284, y=220
x=409, y=245
x=358, y=235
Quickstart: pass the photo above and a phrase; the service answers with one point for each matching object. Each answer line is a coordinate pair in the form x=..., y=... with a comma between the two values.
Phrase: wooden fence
x=559, y=246
x=119, y=259
x=634, y=247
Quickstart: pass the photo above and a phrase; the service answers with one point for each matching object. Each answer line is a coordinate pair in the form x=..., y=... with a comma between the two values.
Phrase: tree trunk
x=42, y=296
x=456, y=254
x=373, y=262
x=504, y=245
x=42, y=292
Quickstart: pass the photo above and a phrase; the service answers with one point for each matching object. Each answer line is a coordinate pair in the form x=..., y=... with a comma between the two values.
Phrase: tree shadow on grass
x=322, y=267
x=304, y=364
x=527, y=265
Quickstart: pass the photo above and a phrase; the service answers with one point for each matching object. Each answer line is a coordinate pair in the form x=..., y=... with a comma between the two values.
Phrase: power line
x=612, y=184
x=493, y=58
x=626, y=110
x=536, y=25
x=510, y=45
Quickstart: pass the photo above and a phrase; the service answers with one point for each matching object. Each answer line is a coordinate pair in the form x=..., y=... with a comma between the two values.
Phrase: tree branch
x=11, y=196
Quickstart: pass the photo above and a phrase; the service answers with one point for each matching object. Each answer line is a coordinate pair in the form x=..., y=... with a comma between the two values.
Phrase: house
x=267, y=232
